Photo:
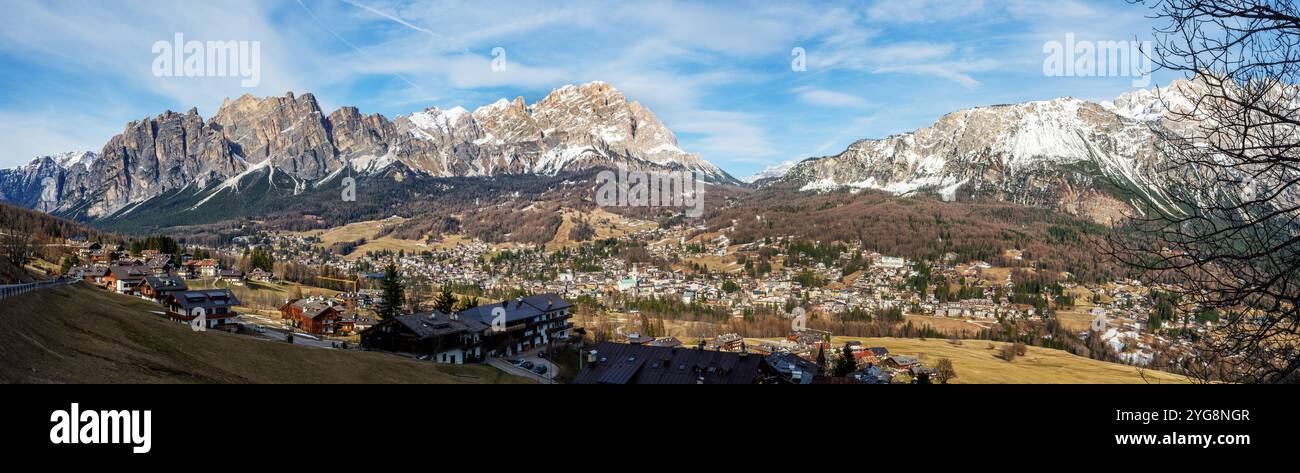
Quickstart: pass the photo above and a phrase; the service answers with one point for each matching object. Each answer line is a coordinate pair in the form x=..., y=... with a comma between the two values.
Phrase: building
x=212, y=308
x=499, y=329
x=92, y=274
x=617, y=363
x=444, y=338
x=206, y=268
x=231, y=276
x=124, y=279
x=787, y=368
x=260, y=275
x=318, y=316
x=523, y=324
x=158, y=288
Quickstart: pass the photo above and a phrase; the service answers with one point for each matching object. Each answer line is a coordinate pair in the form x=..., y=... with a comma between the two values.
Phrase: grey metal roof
x=437, y=324
x=619, y=363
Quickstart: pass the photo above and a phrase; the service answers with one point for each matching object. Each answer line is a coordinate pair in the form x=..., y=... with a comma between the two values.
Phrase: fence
x=19, y=289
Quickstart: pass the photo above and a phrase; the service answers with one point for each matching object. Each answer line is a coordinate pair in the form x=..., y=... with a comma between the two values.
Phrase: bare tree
x=1224, y=233
x=15, y=242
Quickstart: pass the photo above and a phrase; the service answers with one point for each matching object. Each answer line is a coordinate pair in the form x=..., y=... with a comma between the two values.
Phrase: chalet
x=352, y=300
x=445, y=338
x=728, y=341
x=260, y=275
x=231, y=276
x=159, y=288
x=901, y=362
x=206, y=268
x=211, y=308
x=92, y=274
x=872, y=375
x=124, y=279
x=313, y=315
x=361, y=323
x=103, y=255
x=865, y=358
x=85, y=250
x=523, y=324
x=617, y=363
x=787, y=368
x=158, y=265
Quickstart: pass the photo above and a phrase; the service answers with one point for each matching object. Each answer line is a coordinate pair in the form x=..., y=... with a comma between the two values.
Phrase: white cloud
x=923, y=11
x=28, y=134
x=829, y=98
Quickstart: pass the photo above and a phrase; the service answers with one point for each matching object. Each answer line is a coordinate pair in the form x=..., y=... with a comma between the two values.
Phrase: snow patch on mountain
x=771, y=172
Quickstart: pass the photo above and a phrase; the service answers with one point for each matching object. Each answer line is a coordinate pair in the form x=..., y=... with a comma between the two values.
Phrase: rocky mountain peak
x=573, y=128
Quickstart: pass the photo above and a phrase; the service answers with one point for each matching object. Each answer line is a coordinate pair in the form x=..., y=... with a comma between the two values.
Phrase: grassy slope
x=84, y=335
x=975, y=363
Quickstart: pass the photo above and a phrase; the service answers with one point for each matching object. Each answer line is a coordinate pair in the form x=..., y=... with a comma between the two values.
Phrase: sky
x=721, y=74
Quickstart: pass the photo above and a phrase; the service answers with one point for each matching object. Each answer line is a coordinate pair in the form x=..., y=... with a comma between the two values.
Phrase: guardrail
x=19, y=289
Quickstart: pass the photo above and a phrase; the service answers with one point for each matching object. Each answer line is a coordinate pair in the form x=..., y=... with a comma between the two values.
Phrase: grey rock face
x=573, y=128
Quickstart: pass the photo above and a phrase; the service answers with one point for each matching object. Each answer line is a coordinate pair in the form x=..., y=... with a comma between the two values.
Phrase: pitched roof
x=514, y=310
x=126, y=273
x=166, y=283
x=312, y=308
x=619, y=363
x=786, y=364
x=210, y=299
x=437, y=324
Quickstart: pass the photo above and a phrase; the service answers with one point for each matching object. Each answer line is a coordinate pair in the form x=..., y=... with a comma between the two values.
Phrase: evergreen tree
x=446, y=301
x=845, y=365
x=466, y=303
x=821, y=359
x=394, y=293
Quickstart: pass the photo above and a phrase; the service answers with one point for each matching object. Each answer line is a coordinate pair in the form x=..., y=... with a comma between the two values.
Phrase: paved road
x=507, y=367
x=298, y=338
x=547, y=378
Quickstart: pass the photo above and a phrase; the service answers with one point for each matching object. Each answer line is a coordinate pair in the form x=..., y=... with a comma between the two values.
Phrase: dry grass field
x=976, y=363
x=79, y=334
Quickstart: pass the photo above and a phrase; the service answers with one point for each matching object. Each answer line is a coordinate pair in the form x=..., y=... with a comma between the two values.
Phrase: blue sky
x=717, y=73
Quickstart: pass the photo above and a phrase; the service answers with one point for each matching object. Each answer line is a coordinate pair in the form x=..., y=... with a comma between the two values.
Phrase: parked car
x=540, y=369
x=528, y=365
x=541, y=353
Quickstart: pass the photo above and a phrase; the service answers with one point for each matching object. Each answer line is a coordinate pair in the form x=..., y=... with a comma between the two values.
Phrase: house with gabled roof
x=523, y=324
x=443, y=338
x=158, y=288
x=210, y=308
x=124, y=279
x=317, y=315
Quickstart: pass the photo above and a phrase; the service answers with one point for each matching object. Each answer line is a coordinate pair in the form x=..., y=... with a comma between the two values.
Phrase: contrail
x=394, y=18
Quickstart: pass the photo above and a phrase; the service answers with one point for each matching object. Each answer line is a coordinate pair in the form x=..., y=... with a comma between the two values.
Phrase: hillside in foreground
x=79, y=334
x=976, y=363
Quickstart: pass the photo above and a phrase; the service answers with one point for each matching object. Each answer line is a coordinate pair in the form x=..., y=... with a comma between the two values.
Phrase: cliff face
x=573, y=128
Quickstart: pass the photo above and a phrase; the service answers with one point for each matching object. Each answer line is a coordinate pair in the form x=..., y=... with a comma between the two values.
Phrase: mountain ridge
x=1092, y=159
x=575, y=127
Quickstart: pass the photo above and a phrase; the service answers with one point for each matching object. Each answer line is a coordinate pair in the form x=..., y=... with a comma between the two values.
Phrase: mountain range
x=292, y=144
x=1095, y=160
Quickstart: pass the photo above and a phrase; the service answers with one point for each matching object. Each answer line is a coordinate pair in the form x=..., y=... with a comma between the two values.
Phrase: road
x=505, y=365
x=298, y=338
